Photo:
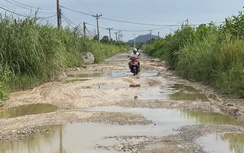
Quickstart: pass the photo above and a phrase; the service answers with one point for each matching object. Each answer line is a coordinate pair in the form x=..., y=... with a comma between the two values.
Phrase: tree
x=105, y=39
x=95, y=37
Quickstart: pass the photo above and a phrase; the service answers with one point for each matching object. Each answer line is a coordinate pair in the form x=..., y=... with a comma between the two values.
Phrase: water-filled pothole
x=175, y=92
x=104, y=87
x=75, y=80
x=85, y=75
x=27, y=110
x=84, y=137
x=148, y=74
x=113, y=73
x=222, y=143
x=77, y=138
x=176, y=117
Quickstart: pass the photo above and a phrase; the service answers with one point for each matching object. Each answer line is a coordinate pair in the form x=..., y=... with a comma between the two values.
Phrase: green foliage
x=105, y=39
x=31, y=53
x=5, y=75
x=235, y=25
x=230, y=70
x=208, y=53
x=197, y=59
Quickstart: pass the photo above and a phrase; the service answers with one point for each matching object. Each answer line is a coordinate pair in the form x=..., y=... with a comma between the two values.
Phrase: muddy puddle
x=174, y=92
x=119, y=86
x=173, y=118
x=86, y=137
x=113, y=73
x=27, y=110
x=75, y=80
x=222, y=143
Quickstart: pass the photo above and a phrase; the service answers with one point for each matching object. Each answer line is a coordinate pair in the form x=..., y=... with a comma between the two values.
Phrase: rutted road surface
x=103, y=108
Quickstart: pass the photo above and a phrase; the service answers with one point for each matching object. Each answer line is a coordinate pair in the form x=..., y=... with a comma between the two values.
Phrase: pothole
x=219, y=143
x=112, y=73
x=27, y=110
x=89, y=137
x=75, y=80
x=175, y=92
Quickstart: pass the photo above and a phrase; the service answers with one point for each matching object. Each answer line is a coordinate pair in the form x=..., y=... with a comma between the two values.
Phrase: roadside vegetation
x=33, y=53
x=208, y=53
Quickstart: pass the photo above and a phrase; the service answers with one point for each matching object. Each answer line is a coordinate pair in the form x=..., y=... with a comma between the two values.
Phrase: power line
x=162, y=26
x=96, y=26
x=70, y=21
x=18, y=5
x=173, y=25
x=115, y=20
x=76, y=11
x=71, y=3
x=48, y=17
x=130, y=22
x=67, y=21
x=7, y=10
x=13, y=12
x=22, y=4
x=84, y=4
x=28, y=7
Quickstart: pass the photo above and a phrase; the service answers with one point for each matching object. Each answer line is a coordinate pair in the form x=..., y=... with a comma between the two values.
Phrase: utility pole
x=134, y=40
x=121, y=36
x=158, y=35
x=116, y=33
x=109, y=29
x=84, y=29
x=150, y=34
x=97, y=17
x=58, y=14
x=187, y=21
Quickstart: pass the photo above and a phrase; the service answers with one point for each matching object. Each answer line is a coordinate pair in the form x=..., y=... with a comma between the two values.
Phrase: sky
x=131, y=17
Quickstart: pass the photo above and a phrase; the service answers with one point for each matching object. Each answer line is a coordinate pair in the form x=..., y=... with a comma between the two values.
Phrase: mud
x=110, y=84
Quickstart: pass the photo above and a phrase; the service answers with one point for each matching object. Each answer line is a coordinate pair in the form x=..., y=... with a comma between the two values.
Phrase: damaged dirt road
x=103, y=108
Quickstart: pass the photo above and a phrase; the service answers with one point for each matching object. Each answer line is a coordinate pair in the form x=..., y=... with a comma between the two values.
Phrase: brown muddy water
x=113, y=73
x=27, y=110
x=173, y=92
x=223, y=143
x=85, y=137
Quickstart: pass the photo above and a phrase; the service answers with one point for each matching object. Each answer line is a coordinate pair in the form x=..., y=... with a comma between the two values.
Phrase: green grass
x=32, y=53
x=211, y=54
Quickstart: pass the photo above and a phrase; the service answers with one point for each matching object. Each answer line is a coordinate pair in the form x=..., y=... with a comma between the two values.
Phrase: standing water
x=86, y=137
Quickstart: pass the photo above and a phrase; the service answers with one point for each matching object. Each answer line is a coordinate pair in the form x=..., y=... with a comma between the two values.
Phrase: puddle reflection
x=113, y=73
x=84, y=137
x=175, y=92
x=77, y=138
x=223, y=143
x=27, y=110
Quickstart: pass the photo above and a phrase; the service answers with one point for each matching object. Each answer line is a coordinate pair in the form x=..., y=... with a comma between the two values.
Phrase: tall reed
x=33, y=53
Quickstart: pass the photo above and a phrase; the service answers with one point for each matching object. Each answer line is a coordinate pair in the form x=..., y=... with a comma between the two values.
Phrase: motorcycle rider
x=135, y=54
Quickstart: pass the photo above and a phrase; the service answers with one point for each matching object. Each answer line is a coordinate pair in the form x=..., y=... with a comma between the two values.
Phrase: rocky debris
x=132, y=144
x=118, y=118
x=230, y=109
x=134, y=85
x=88, y=58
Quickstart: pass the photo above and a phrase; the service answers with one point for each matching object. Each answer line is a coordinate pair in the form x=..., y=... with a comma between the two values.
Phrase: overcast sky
x=155, y=12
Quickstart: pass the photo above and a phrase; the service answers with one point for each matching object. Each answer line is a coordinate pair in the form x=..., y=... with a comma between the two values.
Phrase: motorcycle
x=134, y=65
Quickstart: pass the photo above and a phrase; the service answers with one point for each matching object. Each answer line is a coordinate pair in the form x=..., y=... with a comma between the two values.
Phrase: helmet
x=134, y=50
